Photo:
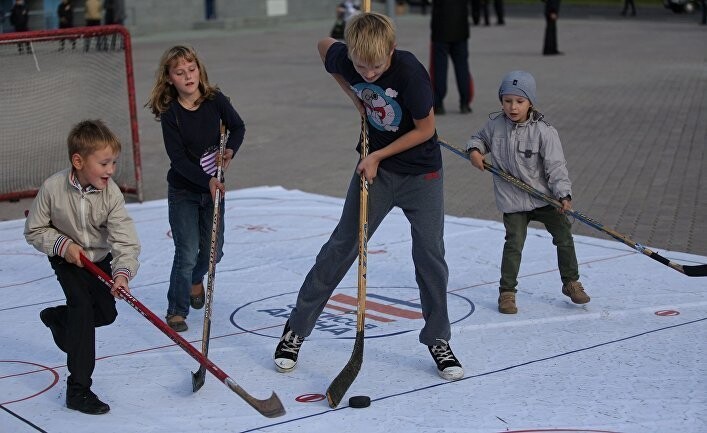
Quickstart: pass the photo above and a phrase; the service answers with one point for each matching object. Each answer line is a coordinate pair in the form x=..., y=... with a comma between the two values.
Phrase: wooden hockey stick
x=690, y=271
x=199, y=376
x=271, y=407
x=343, y=381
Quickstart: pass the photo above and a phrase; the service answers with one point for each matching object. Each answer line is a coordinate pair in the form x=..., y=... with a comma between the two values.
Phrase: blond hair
x=164, y=92
x=370, y=37
x=90, y=136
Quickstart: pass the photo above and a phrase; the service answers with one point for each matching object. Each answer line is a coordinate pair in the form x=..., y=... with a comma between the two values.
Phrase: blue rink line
x=547, y=358
x=24, y=420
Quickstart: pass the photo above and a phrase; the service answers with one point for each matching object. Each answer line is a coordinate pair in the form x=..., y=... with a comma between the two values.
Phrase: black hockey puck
x=360, y=401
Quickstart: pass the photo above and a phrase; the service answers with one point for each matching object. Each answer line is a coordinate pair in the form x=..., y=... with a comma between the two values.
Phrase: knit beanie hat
x=519, y=83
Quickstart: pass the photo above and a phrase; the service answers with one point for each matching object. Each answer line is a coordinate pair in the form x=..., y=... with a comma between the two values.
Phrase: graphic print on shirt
x=382, y=110
x=208, y=160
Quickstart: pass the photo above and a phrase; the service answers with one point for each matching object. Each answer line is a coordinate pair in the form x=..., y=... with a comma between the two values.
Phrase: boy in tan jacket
x=81, y=211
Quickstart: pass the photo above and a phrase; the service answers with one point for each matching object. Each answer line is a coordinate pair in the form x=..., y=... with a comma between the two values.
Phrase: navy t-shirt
x=401, y=94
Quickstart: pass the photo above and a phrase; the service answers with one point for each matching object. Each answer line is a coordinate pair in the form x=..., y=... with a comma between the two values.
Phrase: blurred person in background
x=450, y=38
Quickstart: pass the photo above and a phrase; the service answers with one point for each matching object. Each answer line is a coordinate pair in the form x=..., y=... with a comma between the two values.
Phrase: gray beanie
x=519, y=83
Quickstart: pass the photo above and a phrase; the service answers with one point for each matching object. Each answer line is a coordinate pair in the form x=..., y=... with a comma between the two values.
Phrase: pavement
x=628, y=97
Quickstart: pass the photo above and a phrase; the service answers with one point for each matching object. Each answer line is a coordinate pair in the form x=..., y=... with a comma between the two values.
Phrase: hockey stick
x=271, y=407
x=343, y=381
x=690, y=271
x=198, y=378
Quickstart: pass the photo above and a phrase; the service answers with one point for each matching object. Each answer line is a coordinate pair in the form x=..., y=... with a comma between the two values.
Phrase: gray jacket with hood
x=530, y=151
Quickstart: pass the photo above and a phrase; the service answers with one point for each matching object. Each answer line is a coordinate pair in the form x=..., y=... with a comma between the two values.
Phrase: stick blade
x=198, y=378
x=343, y=381
x=271, y=407
x=695, y=271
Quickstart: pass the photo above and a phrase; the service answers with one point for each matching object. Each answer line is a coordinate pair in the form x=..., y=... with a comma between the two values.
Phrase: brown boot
x=198, y=296
x=575, y=291
x=176, y=322
x=507, y=303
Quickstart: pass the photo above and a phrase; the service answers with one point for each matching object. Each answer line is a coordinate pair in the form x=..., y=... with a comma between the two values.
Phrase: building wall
x=154, y=16
x=149, y=16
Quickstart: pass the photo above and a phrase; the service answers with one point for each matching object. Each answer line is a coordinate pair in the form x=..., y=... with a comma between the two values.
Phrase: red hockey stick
x=271, y=407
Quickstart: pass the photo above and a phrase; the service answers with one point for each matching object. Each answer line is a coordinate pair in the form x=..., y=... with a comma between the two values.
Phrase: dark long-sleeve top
x=66, y=15
x=188, y=135
x=19, y=17
x=552, y=7
x=450, y=20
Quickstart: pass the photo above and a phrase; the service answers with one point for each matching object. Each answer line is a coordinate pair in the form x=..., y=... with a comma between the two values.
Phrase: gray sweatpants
x=422, y=201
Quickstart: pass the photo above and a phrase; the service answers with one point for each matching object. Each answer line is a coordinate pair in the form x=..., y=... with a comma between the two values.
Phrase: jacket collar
x=74, y=181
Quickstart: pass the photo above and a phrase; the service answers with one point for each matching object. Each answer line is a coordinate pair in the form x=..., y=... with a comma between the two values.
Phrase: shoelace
x=442, y=352
x=291, y=342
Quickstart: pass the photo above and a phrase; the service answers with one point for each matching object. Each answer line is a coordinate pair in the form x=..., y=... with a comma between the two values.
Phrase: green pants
x=516, y=231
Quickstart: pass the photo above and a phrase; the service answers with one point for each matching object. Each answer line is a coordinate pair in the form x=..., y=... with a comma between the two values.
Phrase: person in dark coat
x=19, y=18
x=115, y=14
x=115, y=11
x=450, y=36
x=552, y=10
x=65, y=12
x=476, y=7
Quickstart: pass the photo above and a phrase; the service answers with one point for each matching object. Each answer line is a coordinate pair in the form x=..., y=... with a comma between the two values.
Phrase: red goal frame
x=79, y=33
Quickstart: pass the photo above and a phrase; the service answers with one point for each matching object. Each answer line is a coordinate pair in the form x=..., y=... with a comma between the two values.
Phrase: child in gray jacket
x=523, y=144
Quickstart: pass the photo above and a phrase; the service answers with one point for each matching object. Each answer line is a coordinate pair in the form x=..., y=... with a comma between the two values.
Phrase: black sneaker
x=448, y=366
x=287, y=350
x=86, y=402
x=48, y=317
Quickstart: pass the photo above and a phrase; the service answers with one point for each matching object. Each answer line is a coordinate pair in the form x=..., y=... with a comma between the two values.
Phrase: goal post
x=53, y=79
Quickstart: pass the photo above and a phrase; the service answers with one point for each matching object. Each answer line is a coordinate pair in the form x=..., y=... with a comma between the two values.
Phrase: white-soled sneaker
x=287, y=350
x=448, y=366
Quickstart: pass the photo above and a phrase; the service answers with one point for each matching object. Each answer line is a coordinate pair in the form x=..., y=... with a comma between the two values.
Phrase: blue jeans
x=190, y=217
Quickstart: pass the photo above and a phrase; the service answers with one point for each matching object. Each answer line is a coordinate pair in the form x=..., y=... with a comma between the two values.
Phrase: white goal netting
x=53, y=79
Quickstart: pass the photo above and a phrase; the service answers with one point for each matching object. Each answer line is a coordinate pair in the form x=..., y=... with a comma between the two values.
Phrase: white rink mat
x=630, y=361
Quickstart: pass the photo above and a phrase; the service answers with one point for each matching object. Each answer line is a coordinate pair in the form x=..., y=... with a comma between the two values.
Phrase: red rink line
x=377, y=306
x=368, y=316
x=43, y=368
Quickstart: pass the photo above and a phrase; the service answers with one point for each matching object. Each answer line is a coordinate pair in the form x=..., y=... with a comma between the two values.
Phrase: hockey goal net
x=52, y=80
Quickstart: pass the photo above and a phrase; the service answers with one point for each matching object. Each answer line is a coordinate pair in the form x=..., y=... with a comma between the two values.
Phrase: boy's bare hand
x=368, y=167
x=566, y=205
x=477, y=159
x=122, y=282
x=73, y=254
